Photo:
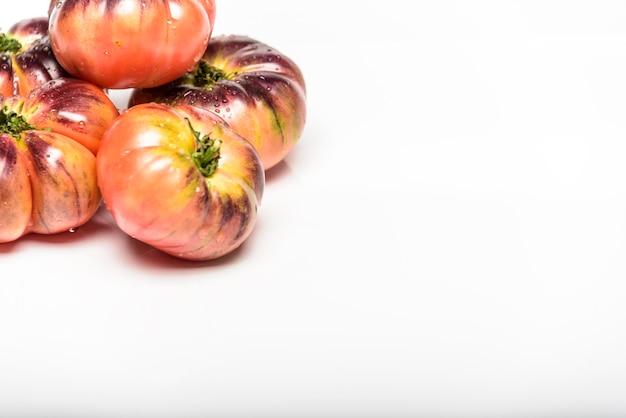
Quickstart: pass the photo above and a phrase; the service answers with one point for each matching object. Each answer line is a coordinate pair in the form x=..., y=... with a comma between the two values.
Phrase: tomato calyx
x=205, y=75
x=207, y=153
x=9, y=44
x=13, y=123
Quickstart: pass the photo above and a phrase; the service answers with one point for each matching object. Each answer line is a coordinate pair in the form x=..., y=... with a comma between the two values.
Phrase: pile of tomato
x=182, y=167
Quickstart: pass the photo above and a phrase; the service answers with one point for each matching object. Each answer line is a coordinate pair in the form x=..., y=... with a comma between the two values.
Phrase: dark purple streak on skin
x=39, y=150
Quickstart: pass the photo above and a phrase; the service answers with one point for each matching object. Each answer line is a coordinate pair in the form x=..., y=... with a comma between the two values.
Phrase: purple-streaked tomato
x=48, y=145
x=26, y=58
x=119, y=44
x=257, y=90
x=180, y=180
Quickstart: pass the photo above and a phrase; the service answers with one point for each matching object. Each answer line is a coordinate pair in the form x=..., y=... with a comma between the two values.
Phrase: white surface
x=447, y=239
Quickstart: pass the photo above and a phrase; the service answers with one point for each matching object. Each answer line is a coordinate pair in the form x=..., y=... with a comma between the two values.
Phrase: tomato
x=120, y=44
x=180, y=180
x=26, y=58
x=48, y=145
x=258, y=91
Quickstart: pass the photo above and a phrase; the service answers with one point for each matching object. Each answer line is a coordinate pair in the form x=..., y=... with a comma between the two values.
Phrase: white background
x=448, y=238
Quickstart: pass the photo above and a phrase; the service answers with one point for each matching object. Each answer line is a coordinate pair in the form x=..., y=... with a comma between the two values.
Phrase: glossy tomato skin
x=156, y=193
x=73, y=107
x=121, y=44
x=48, y=148
x=258, y=91
x=26, y=57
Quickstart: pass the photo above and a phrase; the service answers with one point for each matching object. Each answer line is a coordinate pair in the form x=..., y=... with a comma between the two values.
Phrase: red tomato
x=26, y=58
x=48, y=145
x=121, y=44
x=179, y=179
x=257, y=90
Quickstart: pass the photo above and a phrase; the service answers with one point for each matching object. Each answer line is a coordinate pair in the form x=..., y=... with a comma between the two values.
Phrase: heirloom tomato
x=48, y=145
x=258, y=91
x=26, y=58
x=120, y=44
x=180, y=180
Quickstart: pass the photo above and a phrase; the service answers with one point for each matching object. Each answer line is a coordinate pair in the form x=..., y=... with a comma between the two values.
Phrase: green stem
x=207, y=153
x=204, y=75
x=12, y=123
x=9, y=44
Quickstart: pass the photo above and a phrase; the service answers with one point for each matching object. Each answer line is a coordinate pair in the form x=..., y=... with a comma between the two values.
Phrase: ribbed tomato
x=26, y=58
x=120, y=44
x=257, y=90
x=48, y=145
x=180, y=180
